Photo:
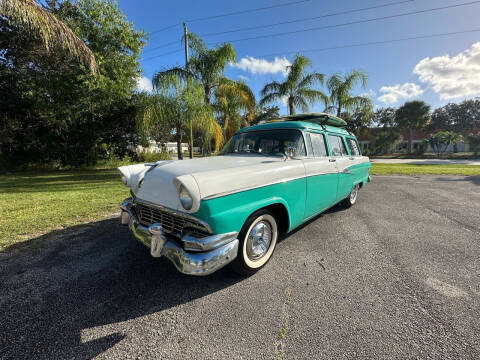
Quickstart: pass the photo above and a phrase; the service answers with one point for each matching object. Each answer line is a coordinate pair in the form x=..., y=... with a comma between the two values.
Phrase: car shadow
x=56, y=287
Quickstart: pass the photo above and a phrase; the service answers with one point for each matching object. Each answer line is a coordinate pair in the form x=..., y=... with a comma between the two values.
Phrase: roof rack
x=316, y=118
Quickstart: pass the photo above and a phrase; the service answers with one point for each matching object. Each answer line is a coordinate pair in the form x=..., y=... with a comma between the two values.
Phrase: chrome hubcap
x=259, y=240
x=353, y=194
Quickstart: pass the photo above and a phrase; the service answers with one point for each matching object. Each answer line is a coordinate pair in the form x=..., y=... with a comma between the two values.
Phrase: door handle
x=332, y=160
x=352, y=158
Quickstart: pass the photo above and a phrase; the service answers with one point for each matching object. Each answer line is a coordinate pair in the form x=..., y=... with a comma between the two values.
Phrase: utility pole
x=185, y=34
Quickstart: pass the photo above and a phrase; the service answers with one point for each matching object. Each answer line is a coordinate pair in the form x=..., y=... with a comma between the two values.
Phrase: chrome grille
x=172, y=223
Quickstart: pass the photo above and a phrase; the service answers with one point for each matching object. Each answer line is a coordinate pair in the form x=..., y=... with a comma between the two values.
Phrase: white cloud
x=284, y=100
x=452, y=77
x=243, y=77
x=392, y=94
x=369, y=94
x=144, y=84
x=262, y=66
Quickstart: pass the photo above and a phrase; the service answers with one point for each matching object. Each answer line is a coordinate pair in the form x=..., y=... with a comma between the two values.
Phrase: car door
x=355, y=159
x=322, y=176
x=338, y=153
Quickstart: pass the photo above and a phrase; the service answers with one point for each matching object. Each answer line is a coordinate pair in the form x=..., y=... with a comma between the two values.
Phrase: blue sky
x=437, y=70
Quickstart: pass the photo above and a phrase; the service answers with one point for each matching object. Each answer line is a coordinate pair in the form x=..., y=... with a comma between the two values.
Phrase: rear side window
x=336, y=145
x=352, y=145
x=318, y=145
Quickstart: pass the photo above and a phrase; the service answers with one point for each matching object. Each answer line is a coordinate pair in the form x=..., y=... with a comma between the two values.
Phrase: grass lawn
x=409, y=169
x=34, y=204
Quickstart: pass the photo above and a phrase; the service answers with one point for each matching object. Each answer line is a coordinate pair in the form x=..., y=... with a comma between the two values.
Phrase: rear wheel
x=258, y=239
x=352, y=197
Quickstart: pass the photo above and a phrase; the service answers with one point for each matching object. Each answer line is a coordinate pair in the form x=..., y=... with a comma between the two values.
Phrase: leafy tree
x=413, y=115
x=385, y=141
x=385, y=118
x=43, y=24
x=298, y=88
x=457, y=117
x=265, y=113
x=61, y=112
x=341, y=98
x=474, y=143
x=360, y=119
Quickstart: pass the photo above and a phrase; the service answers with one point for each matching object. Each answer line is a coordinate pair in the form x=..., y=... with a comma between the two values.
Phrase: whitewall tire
x=258, y=239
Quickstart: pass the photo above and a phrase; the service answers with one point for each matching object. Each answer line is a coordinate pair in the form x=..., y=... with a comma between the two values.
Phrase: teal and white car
x=203, y=214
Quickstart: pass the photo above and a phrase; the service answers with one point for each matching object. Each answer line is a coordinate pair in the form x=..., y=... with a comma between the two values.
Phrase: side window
x=336, y=145
x=352, y=145
x=318, y=145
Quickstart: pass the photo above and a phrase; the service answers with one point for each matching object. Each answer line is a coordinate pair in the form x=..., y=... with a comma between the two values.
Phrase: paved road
x=396, y=276
x=427, y=161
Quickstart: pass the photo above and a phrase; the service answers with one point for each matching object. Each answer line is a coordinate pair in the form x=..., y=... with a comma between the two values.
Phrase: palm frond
x=171, y=77
x=310, y=80
x=48, y=28
x=299, y=102
x=272, y=87
x=270, y=98
x=312, y=95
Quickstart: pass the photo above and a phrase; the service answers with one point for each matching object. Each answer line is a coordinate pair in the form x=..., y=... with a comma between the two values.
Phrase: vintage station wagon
x=203, y=214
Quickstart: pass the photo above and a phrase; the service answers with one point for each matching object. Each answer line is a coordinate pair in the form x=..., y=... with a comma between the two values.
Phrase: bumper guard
x=200, y=256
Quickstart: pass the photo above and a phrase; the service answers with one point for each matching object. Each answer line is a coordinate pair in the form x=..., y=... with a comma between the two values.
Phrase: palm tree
x=450, y=137
x=297, y=88
x=232, y=97
x=205, y=66
x=412, y=115
x=44, y=25
x=341, y=87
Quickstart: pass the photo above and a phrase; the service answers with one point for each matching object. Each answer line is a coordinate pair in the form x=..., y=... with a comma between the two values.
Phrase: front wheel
x=258, y=238
x=352, y=197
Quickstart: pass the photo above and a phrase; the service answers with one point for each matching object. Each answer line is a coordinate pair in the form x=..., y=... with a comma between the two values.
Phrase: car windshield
x=267, y=142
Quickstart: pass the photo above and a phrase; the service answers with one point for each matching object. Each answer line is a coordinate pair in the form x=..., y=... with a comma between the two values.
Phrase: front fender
x=229, y=213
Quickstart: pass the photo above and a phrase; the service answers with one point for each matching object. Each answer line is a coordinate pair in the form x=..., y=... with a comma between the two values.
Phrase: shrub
x=147, y=156
x=474, y=143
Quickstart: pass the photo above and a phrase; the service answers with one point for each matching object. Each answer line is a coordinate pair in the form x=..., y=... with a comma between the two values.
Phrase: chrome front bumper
x=199, y=256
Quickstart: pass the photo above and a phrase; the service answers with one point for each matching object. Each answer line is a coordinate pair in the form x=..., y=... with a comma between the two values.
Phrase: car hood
x=209, y=177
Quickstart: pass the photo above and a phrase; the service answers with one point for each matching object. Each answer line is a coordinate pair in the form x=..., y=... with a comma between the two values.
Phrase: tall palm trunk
x=291, y=105
x=339, y=109
x=208, y=92
x=179, y=143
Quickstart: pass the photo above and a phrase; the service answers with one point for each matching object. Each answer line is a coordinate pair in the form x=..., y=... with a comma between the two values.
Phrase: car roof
x=301, y=125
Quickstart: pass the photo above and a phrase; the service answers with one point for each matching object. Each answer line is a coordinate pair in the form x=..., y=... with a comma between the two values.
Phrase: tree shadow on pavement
x=90, y=276
x=475, y=179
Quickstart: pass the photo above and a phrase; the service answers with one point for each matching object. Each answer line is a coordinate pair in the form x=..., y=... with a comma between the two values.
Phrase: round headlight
x=185, y=198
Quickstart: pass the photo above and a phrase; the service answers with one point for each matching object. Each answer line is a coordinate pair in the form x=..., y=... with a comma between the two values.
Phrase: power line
x=285, y=22
x=164, y=54
x=351, y=23
x=307, y=19
x=373, y=43
x=231, y=14
x=248, y=11
x=352, y=45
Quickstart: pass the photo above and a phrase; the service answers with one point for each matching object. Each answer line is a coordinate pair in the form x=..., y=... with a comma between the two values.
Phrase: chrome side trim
x=174, y=212
x=225, y=193
x=209, y=197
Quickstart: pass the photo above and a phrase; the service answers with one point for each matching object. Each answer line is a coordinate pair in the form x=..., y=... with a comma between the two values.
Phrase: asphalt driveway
x=396, y=276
